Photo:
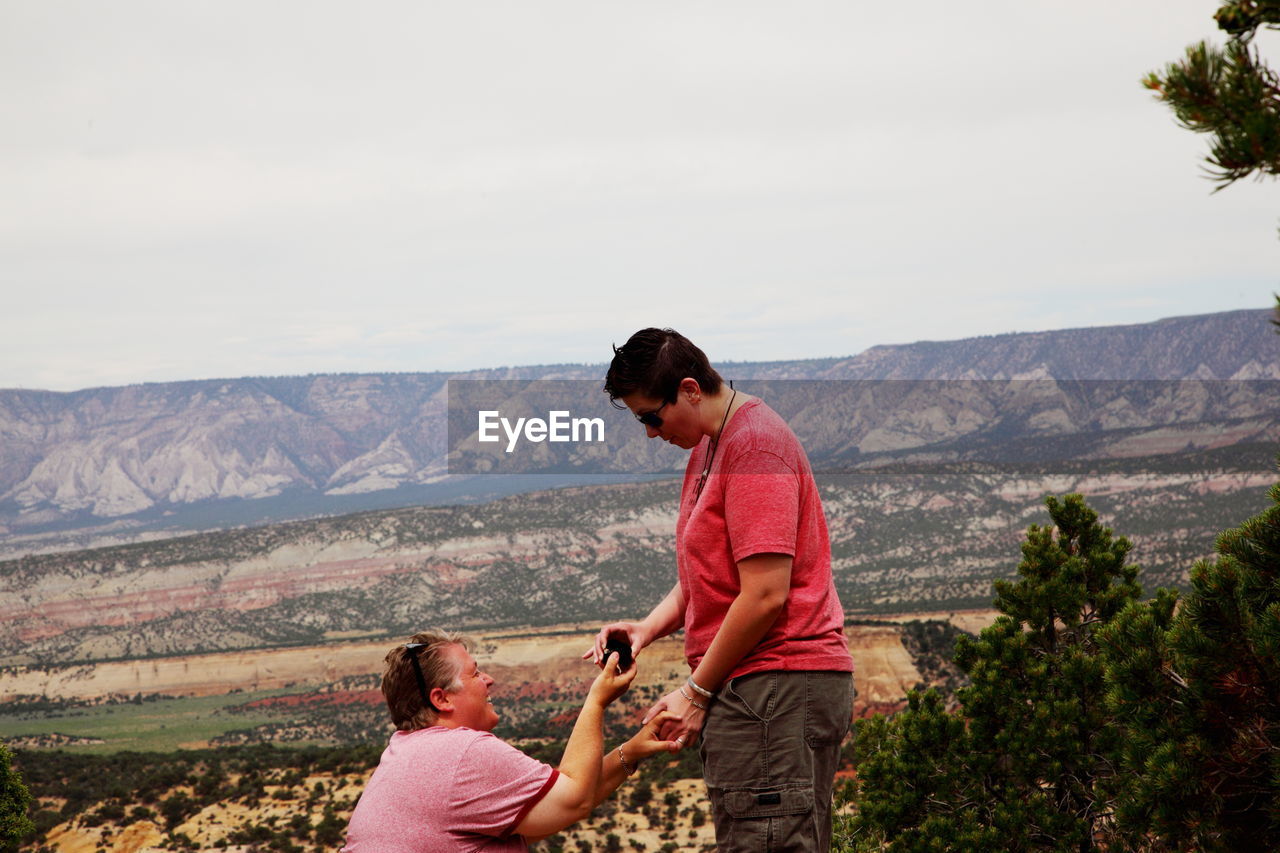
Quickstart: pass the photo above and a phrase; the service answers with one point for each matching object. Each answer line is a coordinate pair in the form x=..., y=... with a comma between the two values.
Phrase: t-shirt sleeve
x=761, y=505
x=495, y=787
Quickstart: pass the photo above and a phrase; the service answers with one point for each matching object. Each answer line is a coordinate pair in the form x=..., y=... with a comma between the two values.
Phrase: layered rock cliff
x=295, y=443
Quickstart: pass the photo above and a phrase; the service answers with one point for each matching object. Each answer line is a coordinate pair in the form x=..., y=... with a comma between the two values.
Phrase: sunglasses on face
x=651, y=419
x=413, y=649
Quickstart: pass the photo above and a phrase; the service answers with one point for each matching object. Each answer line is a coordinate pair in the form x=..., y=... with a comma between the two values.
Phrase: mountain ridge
x=107, y=457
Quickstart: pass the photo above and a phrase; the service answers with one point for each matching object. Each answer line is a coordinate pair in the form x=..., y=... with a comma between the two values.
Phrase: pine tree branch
x=1169, y=673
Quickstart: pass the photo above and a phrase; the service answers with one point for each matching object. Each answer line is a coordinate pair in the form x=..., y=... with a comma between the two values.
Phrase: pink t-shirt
x=759, y=498
x=441, y=790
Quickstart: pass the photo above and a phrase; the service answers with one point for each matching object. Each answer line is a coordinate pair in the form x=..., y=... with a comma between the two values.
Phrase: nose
x=488, y=680
x=652, y=432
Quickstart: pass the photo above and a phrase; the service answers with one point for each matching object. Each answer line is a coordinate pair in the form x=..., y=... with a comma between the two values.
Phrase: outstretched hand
x=610, y=684
x=649, y=741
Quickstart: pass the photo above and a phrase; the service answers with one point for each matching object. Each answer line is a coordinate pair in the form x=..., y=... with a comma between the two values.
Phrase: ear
x=440, y=699
x=690, y=387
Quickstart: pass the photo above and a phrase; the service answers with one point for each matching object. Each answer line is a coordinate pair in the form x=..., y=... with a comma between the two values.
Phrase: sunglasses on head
x=651, y=419
x=413, y=649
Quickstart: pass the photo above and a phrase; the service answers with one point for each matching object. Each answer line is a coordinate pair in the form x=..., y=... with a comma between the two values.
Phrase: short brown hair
x=400, y=685
x=653, y=362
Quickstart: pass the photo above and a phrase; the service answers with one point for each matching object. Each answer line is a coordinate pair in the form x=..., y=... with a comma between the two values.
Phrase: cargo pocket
x=767, y=820
x=754, y=694
x=735, y=739
x=829, y=700
x=764, y=802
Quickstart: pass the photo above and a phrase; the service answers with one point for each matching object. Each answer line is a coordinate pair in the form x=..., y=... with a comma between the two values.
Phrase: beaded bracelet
x=622, y=759
x=691, y=701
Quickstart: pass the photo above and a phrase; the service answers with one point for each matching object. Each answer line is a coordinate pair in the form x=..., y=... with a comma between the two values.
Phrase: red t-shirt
x=759, y=498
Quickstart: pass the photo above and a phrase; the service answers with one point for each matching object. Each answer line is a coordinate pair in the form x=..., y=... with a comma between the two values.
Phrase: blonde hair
x=439, y=669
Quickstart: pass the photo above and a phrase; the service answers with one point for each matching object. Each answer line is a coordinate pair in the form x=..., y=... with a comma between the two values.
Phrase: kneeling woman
x=445, y=783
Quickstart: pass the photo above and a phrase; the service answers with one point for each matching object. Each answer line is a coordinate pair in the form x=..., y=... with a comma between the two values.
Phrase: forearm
x=612, y=773
x=573, y=794
x=666, y=617
x=581, y=761
x=747, y=620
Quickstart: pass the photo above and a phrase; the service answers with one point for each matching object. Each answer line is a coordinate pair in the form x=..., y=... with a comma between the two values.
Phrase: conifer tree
x=1199, y=689
x=14, y=799
x=1230, y=93
x=1026, y=762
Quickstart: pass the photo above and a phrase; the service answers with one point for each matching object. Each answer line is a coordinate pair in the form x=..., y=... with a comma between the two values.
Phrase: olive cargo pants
x=770, y=749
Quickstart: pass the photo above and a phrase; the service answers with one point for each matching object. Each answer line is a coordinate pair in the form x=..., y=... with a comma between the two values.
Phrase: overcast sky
x=201, y=189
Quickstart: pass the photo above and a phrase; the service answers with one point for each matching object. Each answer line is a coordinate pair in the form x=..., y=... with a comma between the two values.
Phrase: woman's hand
x=687, y=720
x=631, y=633
x=610, y=684
x=648, y=741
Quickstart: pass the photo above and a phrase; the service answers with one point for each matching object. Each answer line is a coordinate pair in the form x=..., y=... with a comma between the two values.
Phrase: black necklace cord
x=715, y=445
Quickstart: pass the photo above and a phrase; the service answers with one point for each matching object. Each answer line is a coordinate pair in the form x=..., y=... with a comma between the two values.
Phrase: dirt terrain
x=197, y=675
x=883, y=669
x=210, y=827
x=972, y=621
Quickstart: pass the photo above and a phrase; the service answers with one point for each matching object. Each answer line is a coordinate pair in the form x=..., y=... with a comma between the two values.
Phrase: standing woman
x=771, y=683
